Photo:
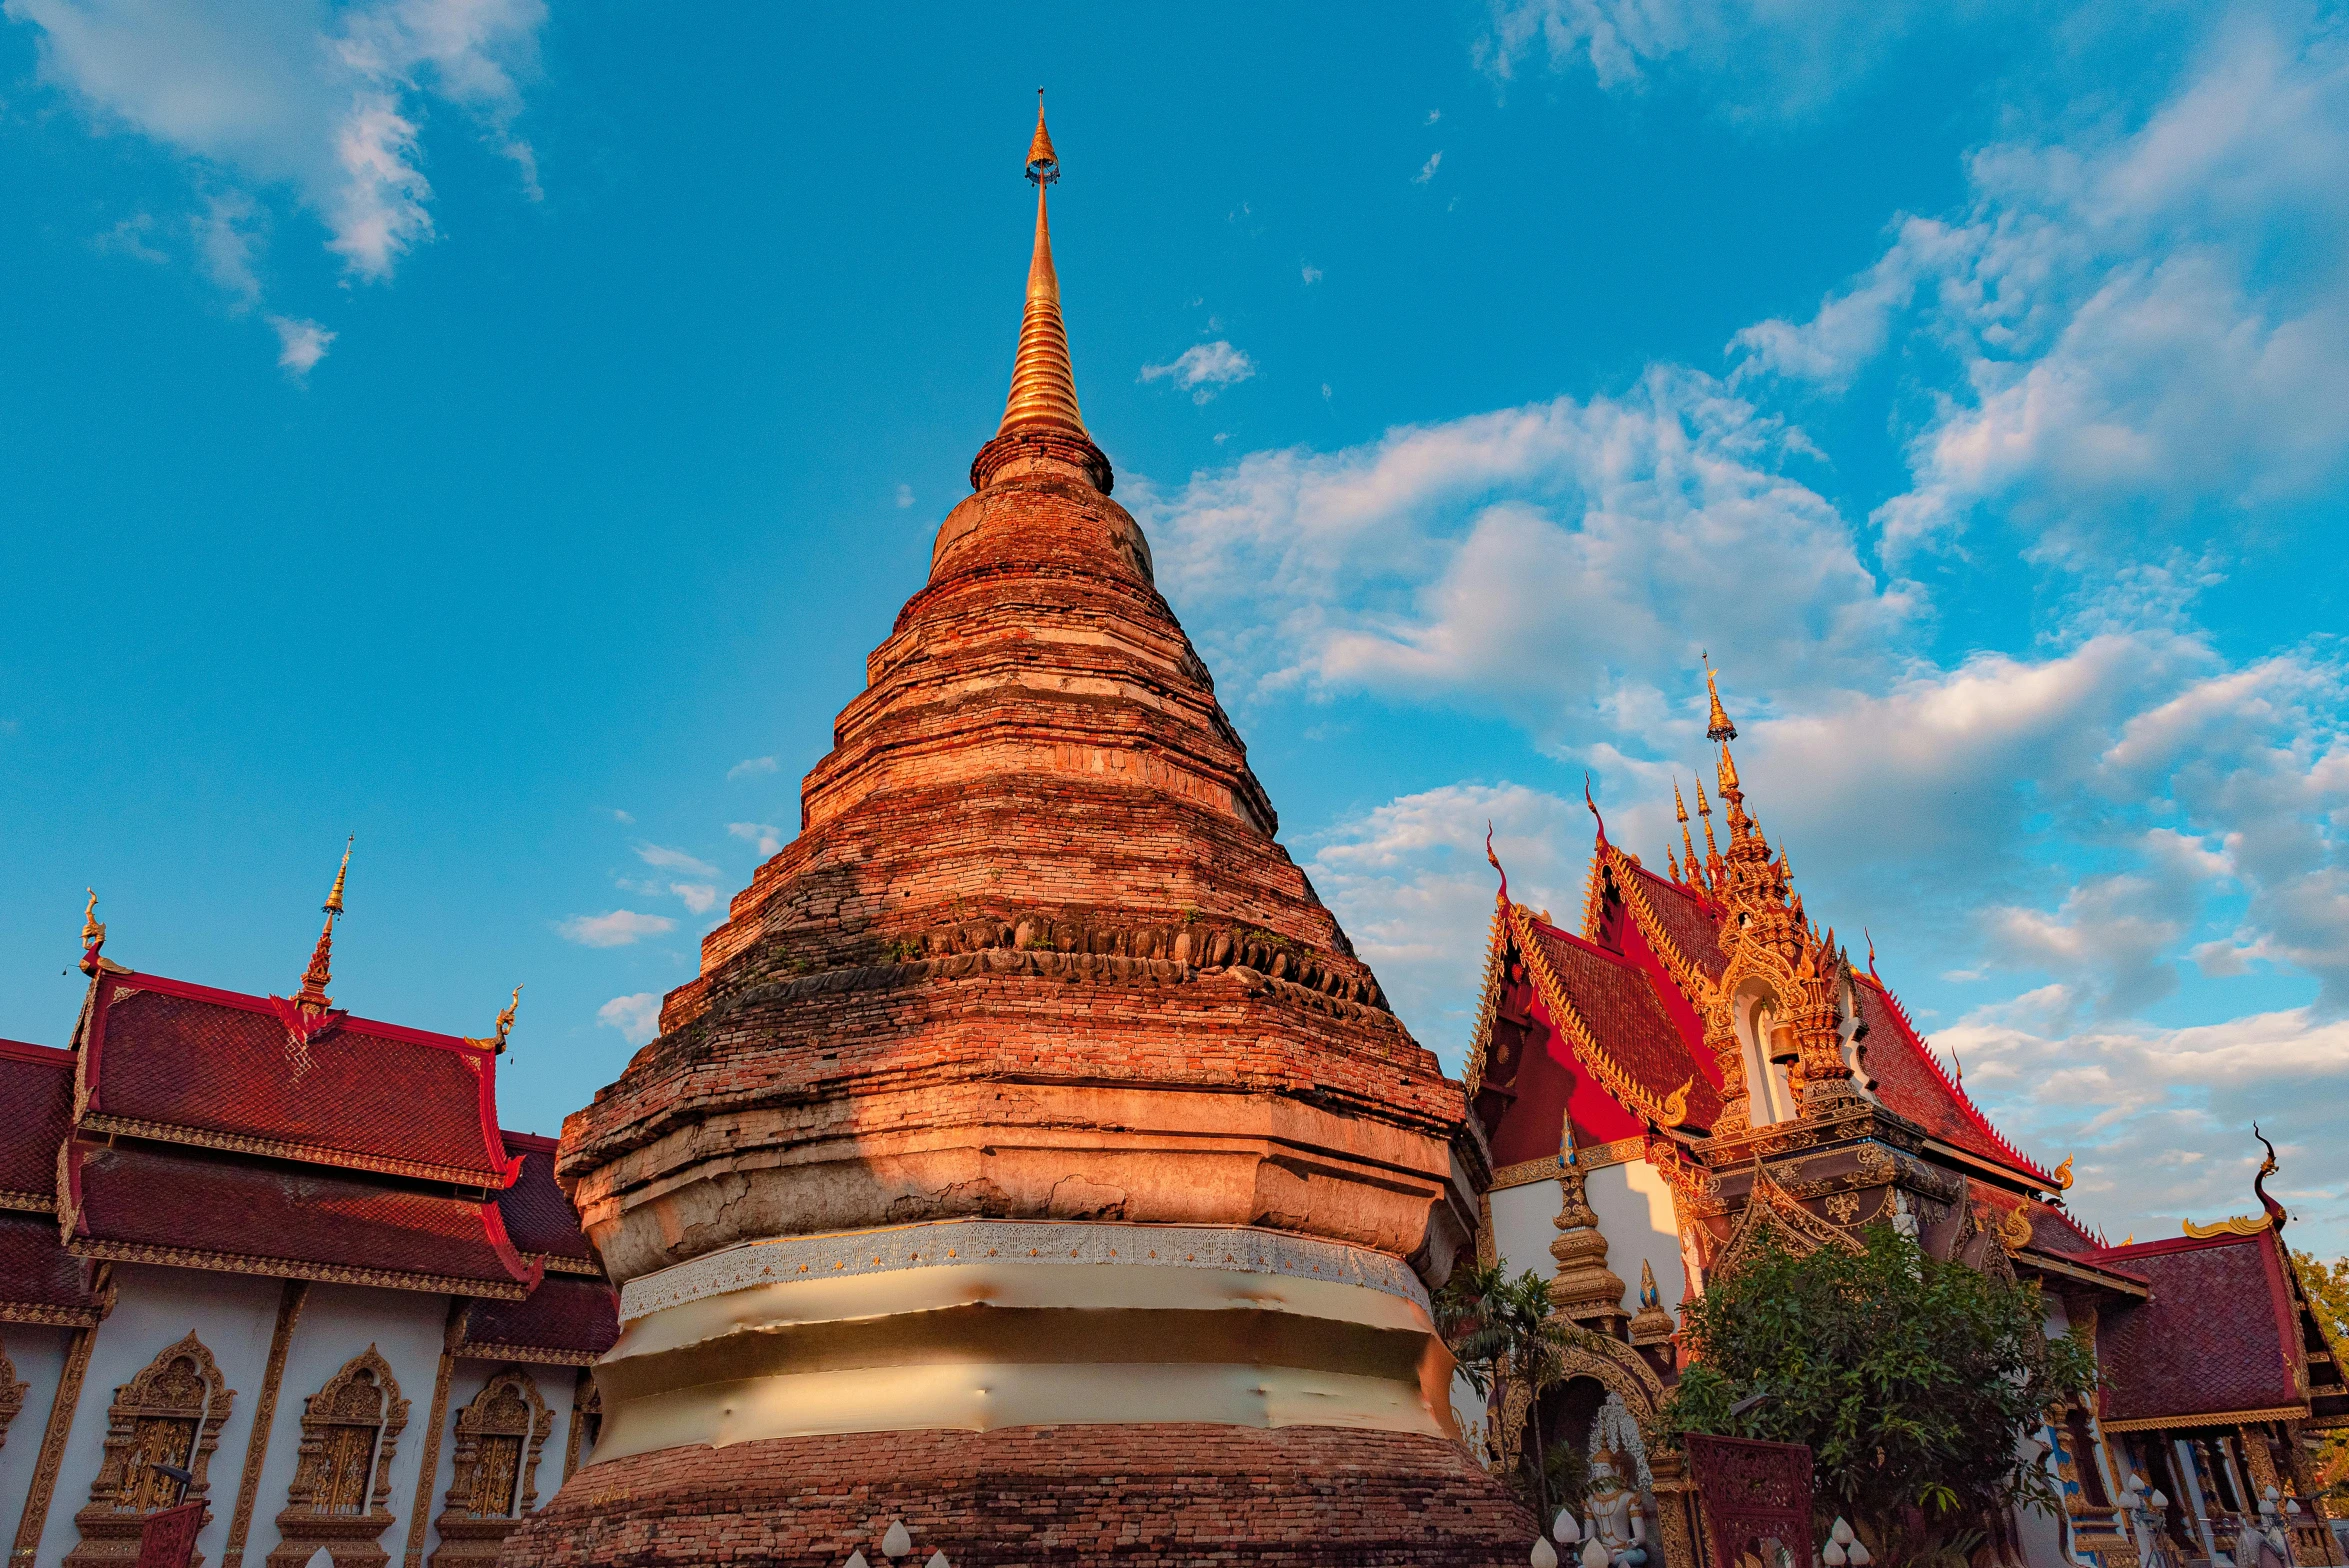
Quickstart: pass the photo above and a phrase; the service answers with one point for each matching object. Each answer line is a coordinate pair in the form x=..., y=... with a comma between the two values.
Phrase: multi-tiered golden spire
x=1043, y=385
x=316, y=978
x=1042, y=432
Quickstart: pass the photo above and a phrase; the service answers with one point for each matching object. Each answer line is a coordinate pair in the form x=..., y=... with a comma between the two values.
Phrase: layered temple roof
x=200, y=1128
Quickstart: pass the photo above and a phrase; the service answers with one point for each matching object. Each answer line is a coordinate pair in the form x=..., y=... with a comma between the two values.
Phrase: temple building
x=1032, y=1164
x=288, y=1253
x=1695, y=1059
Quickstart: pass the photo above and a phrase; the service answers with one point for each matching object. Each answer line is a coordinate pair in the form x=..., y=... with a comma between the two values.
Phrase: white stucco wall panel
x=38, y=1355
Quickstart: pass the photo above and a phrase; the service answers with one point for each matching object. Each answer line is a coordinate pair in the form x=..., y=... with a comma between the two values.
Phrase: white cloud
x=2161, y=1117
x=321, y=101
x=1761, y=59
x=698, y=897
x=674, y=860
x=905, y=498
x=2144, y=326
x=619, y=928
x=750, y=767
x=1433, y=115
x=765, y=835
x=1410, y=883
x=1203, y=369
x=1427, y=170
x=130, y=238
x=1434, y=560
x=1309, y=272
x=638, y=1017
x=622, y=817
x=301, y=344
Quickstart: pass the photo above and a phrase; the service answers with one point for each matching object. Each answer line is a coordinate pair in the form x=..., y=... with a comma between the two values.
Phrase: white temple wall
x=337, y=1323
x=1635, y=1215
x=156, y=1307
x=1522, y=1231
x=38, y=1354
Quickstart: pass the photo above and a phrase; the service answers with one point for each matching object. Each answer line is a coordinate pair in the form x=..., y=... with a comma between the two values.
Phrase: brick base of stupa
x=1158, y=1496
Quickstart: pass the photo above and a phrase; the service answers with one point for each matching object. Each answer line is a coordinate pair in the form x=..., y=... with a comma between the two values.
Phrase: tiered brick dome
x=1030, y=1086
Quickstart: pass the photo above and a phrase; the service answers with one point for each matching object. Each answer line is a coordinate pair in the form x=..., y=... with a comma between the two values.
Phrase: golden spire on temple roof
x=1043, y=386
x=1718, y=726
x=316, y=978
x=1679, y=806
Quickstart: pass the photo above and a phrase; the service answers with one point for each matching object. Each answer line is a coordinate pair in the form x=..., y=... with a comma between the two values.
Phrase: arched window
x=496, y=1483
x=1768, y=1045
x=340, y=1497
x=170, y=1414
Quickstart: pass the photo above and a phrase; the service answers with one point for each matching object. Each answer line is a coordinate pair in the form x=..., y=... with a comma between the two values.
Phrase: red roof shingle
x=539, y=1219
x=186, y=1063
x=565, y=1319
x=2217, y=1335
x=1694, y=929
x=1617, y=1002
x=36, y=1084
x=204, y=1210
x=1911, y=1083
x=39, y=1281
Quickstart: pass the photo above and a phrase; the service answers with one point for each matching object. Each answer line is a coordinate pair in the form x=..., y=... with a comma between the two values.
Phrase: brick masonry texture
x=1157, y=1496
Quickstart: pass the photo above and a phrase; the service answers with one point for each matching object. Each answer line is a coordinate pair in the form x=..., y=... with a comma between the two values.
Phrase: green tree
x=2327, y=1285
x=1914, y=1382
x=1502, y=1334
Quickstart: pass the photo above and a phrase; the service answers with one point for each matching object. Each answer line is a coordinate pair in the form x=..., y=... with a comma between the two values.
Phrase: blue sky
x=502, y=433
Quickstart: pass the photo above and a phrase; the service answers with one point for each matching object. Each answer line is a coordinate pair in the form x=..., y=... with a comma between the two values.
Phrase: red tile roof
x=188, y=1064
x=564, y=1320
x=39, y=1281
x=539, y=1219
x=1910, y=1081
x=213, y=1211
x=36, y=1084
x=1631, y=1036
x=2218, y=1335
x=1686, y=919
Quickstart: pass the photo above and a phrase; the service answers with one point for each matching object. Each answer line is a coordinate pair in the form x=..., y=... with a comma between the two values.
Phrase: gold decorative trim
x=1593, y=1157
x=427, y=1471
x=584, y=1402
x=283, y=1149
x=11, y=1395
x=182, y=1387
x=2232, y=1225
x=29, y=1202
x=320, y=1509
x=1489, y=1001
x=2211, y=1418
x=1694, y=983
x=292, y=1268
x=240, y=1523
x=537, y=1355
x=48, y=1316
x=1611, y=1074
x=35, y=1518
x=585, y=1268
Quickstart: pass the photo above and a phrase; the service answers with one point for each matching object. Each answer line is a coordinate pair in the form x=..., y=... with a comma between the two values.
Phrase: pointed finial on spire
x=1043, y=164
x=1717, y=727
x=93, y=935
x=320, y=973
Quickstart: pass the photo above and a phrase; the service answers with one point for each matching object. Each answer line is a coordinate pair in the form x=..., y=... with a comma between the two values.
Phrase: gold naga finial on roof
x=1043, y=384
x=316, y=978
x=2062, y=1173
x=93, y=929
x=497, y=1042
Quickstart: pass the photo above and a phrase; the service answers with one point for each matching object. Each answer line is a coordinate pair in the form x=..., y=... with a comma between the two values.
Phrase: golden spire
x=1043, y=386
x=1717, y=726
x=320, y=972
x=1687, y=844
x=1705, y=810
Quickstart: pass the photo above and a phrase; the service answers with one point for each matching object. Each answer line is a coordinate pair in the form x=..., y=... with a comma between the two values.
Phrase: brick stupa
x=1032, y=1161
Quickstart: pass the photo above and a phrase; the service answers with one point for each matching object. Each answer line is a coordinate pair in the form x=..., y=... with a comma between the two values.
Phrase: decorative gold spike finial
x=334, y=899
x=1043, y=165
x=93, y=930
x=2062, y=1173
x=320, y=973
x=1728, y=773
x=1043, y=385
x=1679, y=806
x=1718, y=726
